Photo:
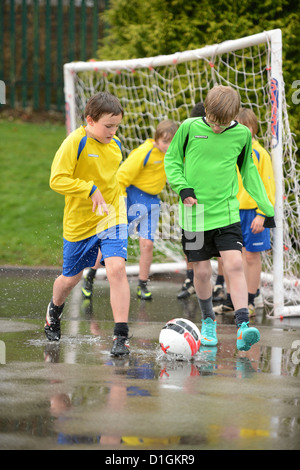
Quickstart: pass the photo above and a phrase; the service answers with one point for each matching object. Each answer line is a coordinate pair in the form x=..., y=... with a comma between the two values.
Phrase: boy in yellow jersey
x=142, y=177
x=84, y=171
x=256, y=237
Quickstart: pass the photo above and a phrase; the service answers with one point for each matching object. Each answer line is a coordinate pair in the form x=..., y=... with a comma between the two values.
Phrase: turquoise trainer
x=246, y=337
x=209, y=332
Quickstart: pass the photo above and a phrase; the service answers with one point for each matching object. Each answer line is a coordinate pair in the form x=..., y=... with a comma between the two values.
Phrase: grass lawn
x=31, y=213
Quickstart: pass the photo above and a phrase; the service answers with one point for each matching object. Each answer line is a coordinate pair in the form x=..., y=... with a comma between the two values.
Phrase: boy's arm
x=253, y=182
x=129, y=169
x=174, y=165
x=62, y=173
x=265, y=170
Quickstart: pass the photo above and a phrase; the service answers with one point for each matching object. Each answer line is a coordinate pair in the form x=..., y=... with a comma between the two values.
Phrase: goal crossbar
x=177, y=57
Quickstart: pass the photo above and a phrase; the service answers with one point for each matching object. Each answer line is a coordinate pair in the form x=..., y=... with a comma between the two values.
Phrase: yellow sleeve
x=62, y=171
x=265, y=170
x=130, y=168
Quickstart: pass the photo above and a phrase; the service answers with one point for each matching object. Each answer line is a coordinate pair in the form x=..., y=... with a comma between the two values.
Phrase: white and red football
x=180, y=338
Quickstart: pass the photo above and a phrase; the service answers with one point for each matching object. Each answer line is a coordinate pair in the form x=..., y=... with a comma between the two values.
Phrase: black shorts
x=201, y=246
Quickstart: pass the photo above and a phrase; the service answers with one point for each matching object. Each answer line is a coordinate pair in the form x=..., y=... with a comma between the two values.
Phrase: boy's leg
x=254, y=244
x=120, y=301
x=147, y=228
x=61, y=289
x=187, y=288
x=203, y=287
x=227, y=305
x=114, y=251
x=202, y=279
x=77, y=255
x=218, y=291
x=146, y=252
x=88, y=283
x=89, y=277
x=233, y=266
x=119, y=288
x=252, y=267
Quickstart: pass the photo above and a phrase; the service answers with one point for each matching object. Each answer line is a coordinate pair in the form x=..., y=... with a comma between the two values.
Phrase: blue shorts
x=83, y=254
x=143, y=213
x=253, y=241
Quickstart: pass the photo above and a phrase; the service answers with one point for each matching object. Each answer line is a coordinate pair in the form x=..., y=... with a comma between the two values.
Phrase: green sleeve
x=174, y=160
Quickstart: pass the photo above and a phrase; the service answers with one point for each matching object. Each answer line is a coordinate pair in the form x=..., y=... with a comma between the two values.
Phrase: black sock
x=91, y=274
x=207, y=308
x=251, y=298
x=121, y=329
x=220, y=280
x=143, y=283
x=55, y=310
x=241, y=315
x=190, y=274
x=229, y=301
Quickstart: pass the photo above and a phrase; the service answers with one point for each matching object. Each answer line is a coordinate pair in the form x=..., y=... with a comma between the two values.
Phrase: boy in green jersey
x=200, y=166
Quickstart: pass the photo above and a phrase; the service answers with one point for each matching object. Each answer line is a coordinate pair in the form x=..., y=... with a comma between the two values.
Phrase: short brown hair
x=103, y=103
x=166, y=127
x=247, y=117
x=222, y=104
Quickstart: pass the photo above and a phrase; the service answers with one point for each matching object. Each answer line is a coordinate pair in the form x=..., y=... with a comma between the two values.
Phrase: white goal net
x=167, y=87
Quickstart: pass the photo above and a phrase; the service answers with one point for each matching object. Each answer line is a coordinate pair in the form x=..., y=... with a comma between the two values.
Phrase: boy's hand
x=188, y=197
x=98, y=201
x=190, y=201
x=257, y=224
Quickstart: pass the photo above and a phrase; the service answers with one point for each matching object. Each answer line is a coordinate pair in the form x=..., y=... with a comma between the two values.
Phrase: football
x=180, y=338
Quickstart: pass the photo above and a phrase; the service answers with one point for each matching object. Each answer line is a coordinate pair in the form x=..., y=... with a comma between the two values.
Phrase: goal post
x=277, y=162
x=167, y=87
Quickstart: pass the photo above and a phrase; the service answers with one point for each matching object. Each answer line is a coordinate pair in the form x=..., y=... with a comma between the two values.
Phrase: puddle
x=74, y=395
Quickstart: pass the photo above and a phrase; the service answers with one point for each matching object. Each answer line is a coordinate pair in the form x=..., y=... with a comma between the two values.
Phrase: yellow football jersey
x=263, y=163
x=144, y=169
x=80, y=166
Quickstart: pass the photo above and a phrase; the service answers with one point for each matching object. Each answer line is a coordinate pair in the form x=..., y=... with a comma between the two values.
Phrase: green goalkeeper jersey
x=203, y=164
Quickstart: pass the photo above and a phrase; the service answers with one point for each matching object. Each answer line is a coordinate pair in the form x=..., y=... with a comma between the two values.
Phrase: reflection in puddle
x=154, y=390
x=209, y=360
x=72, y=393
x=167, y=402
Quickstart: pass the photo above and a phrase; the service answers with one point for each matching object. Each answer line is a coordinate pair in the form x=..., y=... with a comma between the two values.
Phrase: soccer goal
x=167, y=87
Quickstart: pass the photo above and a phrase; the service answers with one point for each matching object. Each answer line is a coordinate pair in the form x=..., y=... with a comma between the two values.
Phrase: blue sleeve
x=94, y=188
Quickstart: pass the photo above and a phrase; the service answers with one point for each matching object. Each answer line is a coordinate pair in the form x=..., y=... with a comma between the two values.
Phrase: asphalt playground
x=74, y=395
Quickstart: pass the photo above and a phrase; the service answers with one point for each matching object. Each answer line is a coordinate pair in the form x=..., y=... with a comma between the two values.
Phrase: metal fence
x=36, y=38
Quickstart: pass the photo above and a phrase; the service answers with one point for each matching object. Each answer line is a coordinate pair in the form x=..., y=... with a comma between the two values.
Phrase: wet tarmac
x=74, y=395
